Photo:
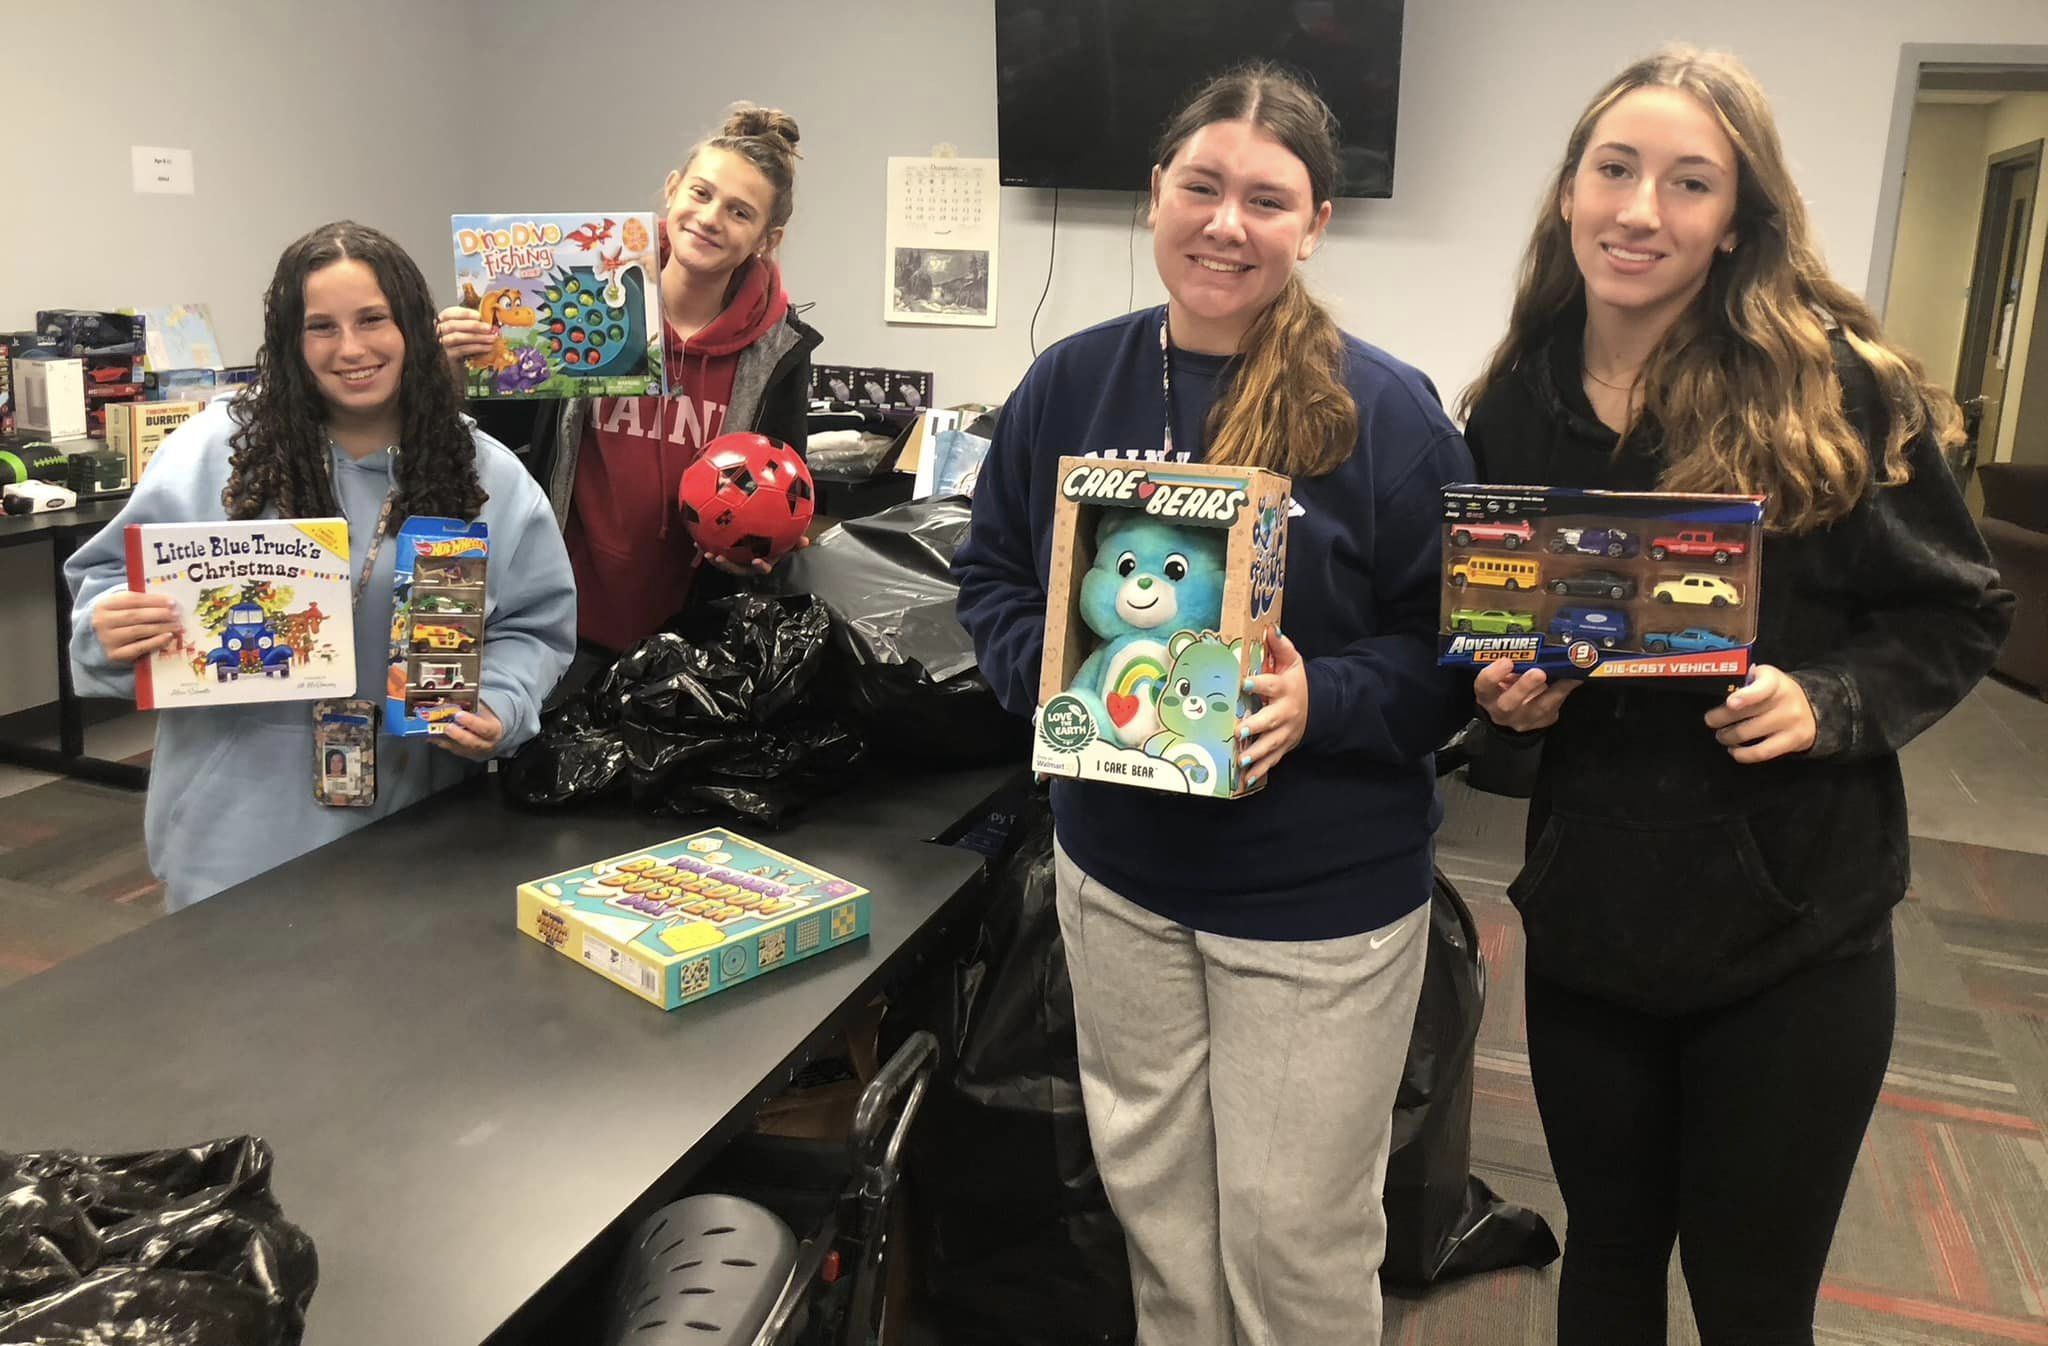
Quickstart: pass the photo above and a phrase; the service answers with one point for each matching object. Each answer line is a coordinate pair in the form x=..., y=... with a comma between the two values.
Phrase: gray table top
x=94, y=514
x=457, y=1110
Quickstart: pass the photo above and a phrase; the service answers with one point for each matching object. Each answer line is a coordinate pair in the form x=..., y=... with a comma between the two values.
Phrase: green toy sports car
x=1493, y=621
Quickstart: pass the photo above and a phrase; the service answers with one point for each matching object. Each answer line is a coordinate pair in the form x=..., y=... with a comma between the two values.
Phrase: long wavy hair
x=1744, y=385
x=280, y=441
x=1284, y=405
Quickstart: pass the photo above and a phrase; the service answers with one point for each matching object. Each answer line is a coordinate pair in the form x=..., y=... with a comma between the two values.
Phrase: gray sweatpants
x=1240, y=1098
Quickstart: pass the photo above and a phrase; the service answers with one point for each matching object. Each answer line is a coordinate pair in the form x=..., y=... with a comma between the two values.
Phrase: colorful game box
x=1602, y=584
x=1165, y=587
x=266, y=605
x=692, y=916
x=575, y=298
x=437, y=624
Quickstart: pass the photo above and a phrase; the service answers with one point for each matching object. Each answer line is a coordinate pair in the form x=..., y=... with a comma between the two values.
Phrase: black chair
x=717, y=1269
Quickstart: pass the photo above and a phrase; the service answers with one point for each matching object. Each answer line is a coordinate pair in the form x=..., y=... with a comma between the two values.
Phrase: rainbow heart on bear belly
x=1123, y=708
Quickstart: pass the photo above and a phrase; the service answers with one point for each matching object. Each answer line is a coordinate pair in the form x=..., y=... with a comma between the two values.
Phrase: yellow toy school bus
x=1500, y=572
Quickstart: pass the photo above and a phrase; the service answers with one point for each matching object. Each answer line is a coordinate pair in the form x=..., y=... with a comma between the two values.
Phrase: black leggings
x=1733, y=1131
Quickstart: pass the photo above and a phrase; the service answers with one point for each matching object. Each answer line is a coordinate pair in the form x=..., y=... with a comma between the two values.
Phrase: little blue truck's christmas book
x=266, y=608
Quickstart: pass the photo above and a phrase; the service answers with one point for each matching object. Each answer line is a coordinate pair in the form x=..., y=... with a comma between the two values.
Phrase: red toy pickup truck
x=1697, y=542
x=1510, y=534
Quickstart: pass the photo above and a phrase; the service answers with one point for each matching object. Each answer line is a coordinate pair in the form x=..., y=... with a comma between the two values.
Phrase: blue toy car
x=1614, y=542
x=248, y=645
x=1604, y=627
x=1692, y=640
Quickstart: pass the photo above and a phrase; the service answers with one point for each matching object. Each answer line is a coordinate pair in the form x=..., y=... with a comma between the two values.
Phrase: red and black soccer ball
x=747, y=498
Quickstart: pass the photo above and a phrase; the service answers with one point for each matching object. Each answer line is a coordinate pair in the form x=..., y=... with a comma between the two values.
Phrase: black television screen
x=1084, y=87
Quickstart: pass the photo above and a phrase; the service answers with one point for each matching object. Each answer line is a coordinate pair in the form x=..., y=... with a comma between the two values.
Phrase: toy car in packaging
x=437, y=624
x=1164, y=591
x=692, y=916
x=1604, y=584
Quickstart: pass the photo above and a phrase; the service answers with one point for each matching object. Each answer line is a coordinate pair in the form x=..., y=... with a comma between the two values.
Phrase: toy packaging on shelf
x=137, y=429
x=1165, y=587
x=574, y=299
x=1603, y=584
x=49, y=395
x=266, y=606
x=692, y=916
x=437, y=624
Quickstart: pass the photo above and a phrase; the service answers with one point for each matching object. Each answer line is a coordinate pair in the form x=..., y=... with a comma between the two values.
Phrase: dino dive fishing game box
x=573, y=299
x=1164, y=591
x=1600, y=584
x=692, y=916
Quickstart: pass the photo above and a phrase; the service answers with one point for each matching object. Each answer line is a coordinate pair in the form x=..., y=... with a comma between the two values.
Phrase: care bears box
x=1602, y=584
x=1165, y=587
x=437, y=624
x=687, y=918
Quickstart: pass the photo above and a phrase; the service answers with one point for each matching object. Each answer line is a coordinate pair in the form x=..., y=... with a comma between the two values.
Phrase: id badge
x=345, y=753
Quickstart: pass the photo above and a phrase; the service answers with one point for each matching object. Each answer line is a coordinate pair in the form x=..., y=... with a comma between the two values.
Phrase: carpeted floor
x=1945, y=1238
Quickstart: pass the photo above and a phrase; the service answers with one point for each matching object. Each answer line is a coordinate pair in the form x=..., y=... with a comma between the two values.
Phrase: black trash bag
x=1023, y=1251
x=173, y=1247
x=717, y=716
x=1443, y=1221
x=904, y=667
x=1027, y=1251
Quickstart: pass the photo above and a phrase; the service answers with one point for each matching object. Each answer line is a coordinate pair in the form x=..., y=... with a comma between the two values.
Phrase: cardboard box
x=138, y=429
x=1603, y=584
x=689, y=917
x=49, y=397
x=1151, y=697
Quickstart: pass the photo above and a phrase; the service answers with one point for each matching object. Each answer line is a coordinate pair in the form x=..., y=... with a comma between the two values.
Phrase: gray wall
x=386, y=110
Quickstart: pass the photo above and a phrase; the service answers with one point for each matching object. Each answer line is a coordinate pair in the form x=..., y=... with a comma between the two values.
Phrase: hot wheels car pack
x=437, y=624
x=1603, y=584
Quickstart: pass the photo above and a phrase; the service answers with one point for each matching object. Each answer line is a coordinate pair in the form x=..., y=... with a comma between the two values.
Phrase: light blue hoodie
x=231, y=787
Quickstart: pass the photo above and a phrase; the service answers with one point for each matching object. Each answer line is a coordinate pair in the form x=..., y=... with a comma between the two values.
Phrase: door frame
x=2023, y=61
x=1985, y=266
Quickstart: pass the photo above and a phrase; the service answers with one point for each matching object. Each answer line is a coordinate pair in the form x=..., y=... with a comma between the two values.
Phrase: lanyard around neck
x=1166, y=385
x=383, y=514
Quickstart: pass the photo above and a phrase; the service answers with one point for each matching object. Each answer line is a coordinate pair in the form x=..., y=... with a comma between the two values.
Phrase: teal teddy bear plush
x=1149, y=580
x=1199, y=710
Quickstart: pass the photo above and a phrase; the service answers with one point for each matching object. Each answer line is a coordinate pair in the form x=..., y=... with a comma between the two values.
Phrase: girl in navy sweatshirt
x=1245, y=971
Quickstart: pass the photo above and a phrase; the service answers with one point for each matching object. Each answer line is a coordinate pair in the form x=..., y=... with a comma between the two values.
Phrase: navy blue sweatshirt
x=1338, y=841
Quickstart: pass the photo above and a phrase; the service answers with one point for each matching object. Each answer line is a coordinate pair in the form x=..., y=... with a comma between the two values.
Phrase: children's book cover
x=266, y=607
x=574, y=299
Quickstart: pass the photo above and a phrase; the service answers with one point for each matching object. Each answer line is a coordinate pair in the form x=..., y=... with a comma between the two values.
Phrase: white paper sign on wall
x=161, y=171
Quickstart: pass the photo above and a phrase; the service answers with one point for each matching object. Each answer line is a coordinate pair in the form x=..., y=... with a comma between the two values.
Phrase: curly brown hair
x=280, y=442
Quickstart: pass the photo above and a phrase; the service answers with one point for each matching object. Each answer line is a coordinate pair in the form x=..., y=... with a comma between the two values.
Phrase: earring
x=1728, y=246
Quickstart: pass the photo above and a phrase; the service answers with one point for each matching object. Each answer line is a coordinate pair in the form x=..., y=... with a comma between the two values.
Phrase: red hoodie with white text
x=632, y=555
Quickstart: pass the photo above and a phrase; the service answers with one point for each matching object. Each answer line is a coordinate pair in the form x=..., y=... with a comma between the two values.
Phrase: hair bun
x=745, y=119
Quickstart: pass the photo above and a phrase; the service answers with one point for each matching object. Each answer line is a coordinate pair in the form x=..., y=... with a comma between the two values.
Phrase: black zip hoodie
x=1660, y=872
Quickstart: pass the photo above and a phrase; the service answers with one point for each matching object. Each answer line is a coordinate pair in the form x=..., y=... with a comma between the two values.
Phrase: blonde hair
x=1286, y=406
x=1744, y=385
x=765, y=137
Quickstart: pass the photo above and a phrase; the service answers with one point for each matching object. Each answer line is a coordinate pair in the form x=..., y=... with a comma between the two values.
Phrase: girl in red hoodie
x=736, y=350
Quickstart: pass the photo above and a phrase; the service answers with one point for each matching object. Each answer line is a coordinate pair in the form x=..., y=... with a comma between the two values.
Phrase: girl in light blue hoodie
x=353, y=414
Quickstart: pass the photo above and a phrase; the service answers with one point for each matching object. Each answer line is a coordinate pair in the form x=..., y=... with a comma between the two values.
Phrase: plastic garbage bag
x=1024, y=1251
x=904, y=667
x=172, y=1247
x=1027, y=1251
x=717, y=716
x=1442, y=1221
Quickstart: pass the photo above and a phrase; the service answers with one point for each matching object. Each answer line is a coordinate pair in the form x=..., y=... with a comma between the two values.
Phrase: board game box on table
x=689, y=917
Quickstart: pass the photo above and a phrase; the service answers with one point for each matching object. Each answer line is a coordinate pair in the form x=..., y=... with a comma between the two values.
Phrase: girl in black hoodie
x=1710, y=873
